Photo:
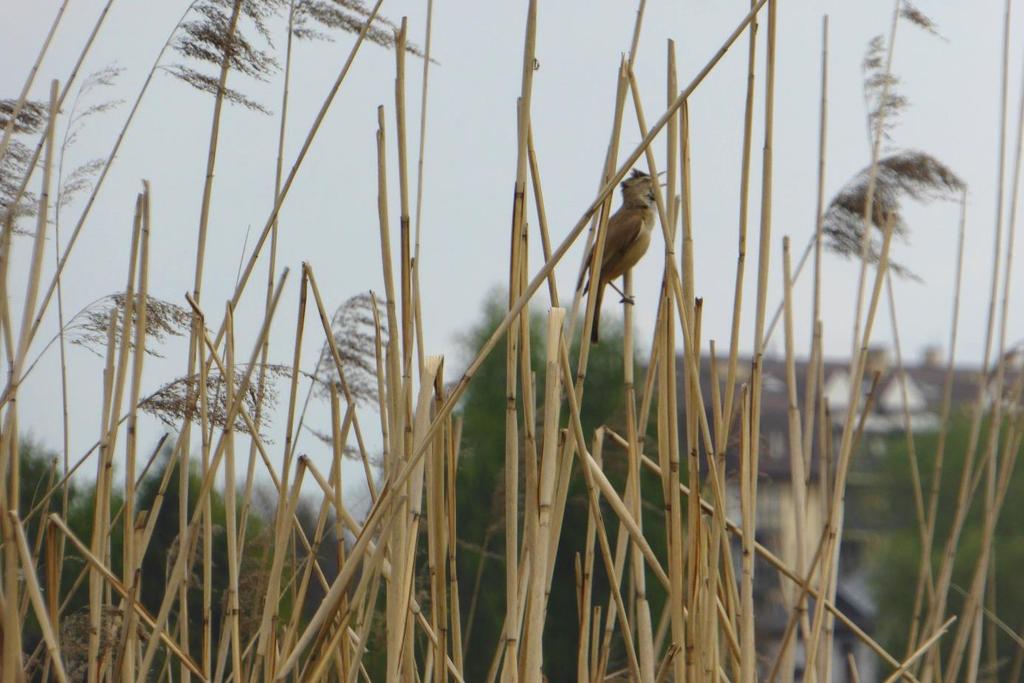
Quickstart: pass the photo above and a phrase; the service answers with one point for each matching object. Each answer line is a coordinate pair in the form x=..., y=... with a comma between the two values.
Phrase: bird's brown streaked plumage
x=627, y=238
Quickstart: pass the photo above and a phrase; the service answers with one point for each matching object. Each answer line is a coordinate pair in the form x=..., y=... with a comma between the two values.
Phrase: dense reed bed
x=390, y=602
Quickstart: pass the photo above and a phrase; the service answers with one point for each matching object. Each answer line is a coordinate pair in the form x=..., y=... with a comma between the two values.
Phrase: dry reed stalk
x=403, y=195
x=454, y=439
x=230, y=484
x=748, y=665
x=722, y=430
x=992, y=504
x=542, y=218
x=667, y=428
x=267, y=647
x=158, y=635
x=668, y=222
x=332, y=498
x=52, y=122
x=498, y=657
x=23, y=95
x=642, y=609
x=925, y=646
x=432, y=370
x=667, y=227
x=405, y=409
x=698, y=597
x=37, y=547
x=62, y=260
x=586, y=641
x=339, y=437
x=101, y=509
x=437, y=540
x=271, y=275
x=9, y=442
x=518, y=257
x=188, y=538
x=798, y=475
x=616, y=576
x=395, y=456
x=131, y=563
x=938, y=608
x=908, y=430
x=599, y=217
x=546, y=489
x=781, y=566
x=316, y=668
x=531, y=514
x=835, y=517
x=246, y=272
x=36, y=597
x=878, y=135
x=337, y=589
x=591, y=473
x=194, y=343
x=53, y=544
x=854, y=672
x=206, y=436
x=973, y=605
x=340, y=368
x=815, y=374
x=797, y=614
x=415, y=264
x=747, y=486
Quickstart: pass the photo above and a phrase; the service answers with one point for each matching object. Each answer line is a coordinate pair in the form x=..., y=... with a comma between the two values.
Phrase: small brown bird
x=629, y=235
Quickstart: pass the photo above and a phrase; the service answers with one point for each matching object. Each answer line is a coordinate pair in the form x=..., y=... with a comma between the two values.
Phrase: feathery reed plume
x=347, y=16
x=29, y=119
x=908, y=173
x=209, y=39
x=13, y=167
x=354, y=331
x=171, y=402
x=163, y=320
x=918, y=18
x=80, y=178
x=883, y=101
x=16, y=159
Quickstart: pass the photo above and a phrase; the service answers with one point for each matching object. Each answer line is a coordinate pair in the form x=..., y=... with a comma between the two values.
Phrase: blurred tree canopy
x=41, y=470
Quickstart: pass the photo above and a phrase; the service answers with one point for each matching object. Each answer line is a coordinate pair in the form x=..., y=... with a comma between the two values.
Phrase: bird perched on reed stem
x=627, y=237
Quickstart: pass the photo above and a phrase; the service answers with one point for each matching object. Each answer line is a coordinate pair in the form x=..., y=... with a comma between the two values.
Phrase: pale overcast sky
x=330, y=218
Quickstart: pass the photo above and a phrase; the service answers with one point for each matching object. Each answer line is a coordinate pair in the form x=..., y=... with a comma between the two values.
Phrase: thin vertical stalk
x=266, y=648
x=748, y=664
x=869, y=199
x=194, y=337
x=945, y=573
x=798, y=477
x=132, y=562
x=9, y=443
x=722, y=430
x=546, y=487
x=419, y=183
x=230, y=506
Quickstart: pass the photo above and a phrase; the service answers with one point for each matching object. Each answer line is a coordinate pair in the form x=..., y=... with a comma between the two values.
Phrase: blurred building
x=921, y=392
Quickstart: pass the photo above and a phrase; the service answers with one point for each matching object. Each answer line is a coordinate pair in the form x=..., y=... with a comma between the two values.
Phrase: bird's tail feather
x=597, y=315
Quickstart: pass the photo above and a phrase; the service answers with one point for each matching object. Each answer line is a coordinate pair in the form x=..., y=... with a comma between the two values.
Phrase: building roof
x=925, y=381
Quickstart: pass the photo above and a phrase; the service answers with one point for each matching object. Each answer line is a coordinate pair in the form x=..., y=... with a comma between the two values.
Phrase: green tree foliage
x=40, y=471
x=481, y=492
x=897, y=562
